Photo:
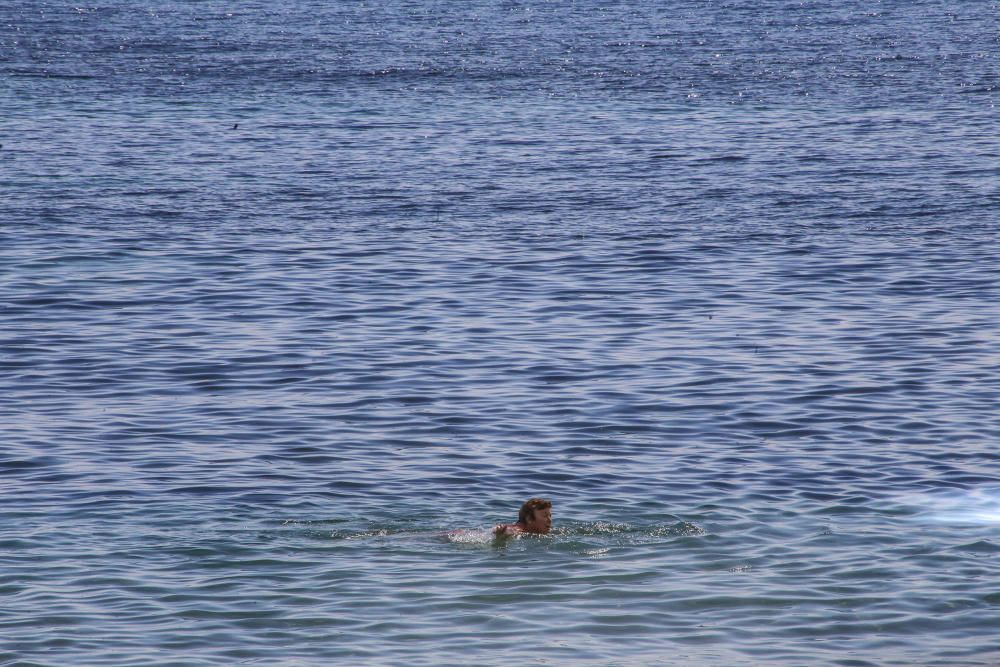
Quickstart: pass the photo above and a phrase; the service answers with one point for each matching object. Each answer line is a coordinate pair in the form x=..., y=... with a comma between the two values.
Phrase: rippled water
x=298, y=300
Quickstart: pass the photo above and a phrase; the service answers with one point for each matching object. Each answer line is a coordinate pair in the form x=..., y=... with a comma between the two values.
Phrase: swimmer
x=534, y=518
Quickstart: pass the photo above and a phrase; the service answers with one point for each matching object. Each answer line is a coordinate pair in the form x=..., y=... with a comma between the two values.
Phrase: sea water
x=297, y=299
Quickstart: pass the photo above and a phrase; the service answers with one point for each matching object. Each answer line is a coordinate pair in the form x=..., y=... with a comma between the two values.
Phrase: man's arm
x=506, y=530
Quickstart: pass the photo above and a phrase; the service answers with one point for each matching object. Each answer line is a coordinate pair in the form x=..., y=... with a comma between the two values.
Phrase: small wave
x=368, y=533
x=679, y=529
x=594, y=528
x=600, y=528
x=571, y=533
x=979, y=547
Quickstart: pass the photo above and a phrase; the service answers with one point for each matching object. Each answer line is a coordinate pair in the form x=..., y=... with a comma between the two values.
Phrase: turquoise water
x=291, y=294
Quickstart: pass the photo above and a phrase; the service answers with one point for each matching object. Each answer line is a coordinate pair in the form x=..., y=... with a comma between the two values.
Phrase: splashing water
x=478, y=536
x=622, y=532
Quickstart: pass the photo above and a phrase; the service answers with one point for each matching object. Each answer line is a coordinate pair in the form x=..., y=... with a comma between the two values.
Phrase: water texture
x=298, y=299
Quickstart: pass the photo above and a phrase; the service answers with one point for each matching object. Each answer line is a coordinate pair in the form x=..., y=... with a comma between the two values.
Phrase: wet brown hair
x=529, y=507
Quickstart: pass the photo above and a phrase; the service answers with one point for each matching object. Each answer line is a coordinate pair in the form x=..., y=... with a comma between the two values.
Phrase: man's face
x=540, y=521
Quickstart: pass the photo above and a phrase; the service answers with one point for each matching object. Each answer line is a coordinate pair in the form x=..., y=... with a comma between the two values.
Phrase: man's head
x=536, y=516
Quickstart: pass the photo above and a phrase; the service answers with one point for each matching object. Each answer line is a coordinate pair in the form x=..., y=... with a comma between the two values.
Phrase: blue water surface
x=291, y=292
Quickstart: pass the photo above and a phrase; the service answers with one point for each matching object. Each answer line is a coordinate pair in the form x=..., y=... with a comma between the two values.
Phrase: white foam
x=470, y=536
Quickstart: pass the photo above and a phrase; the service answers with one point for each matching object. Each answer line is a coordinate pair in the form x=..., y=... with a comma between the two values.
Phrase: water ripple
x=298, y=301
